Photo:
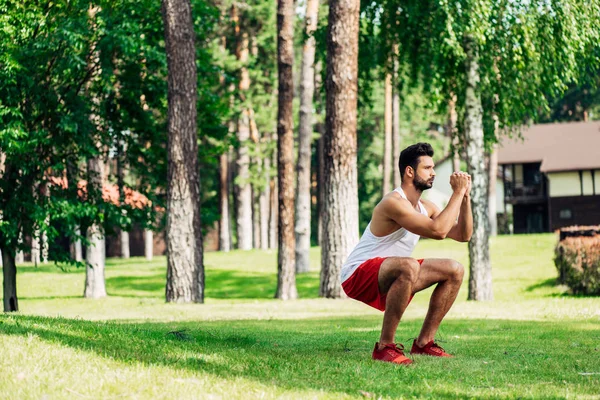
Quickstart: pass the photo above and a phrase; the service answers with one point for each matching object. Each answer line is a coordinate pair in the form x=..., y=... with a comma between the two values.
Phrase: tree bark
x=185, y=269
x=77, y=250
x=95, y=253
x=148, y=244
x=224, y=222
x=492, y=178
x=286, y=272
x=480, y=280
x=452, y=132
x=265, y=197
x=388, y=165
x=274, y=195
x=256, y=215
x=340, y=192
x=9, y=272
x=396, y=140
x=121, y=170
x=244, y=196
x=35, y=248
x=307, y=88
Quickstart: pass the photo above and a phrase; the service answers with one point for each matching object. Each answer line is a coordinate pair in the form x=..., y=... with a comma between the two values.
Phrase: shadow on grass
x=333, y=355
x=220, y=284
x=543, y=284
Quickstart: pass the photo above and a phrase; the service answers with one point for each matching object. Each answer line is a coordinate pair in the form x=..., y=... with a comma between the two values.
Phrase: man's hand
x=460, y=182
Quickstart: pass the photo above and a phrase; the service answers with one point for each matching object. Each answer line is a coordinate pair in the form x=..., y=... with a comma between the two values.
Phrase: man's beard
x=421, y=184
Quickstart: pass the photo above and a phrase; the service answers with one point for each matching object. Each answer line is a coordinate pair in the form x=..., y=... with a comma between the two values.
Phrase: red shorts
x=363, y=284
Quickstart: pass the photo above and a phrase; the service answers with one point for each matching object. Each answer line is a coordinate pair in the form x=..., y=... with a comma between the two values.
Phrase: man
x=380, y=271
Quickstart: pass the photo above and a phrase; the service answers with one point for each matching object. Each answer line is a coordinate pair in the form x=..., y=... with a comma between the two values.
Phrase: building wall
x=441, y=191
x=564, y=184
x=574, y=210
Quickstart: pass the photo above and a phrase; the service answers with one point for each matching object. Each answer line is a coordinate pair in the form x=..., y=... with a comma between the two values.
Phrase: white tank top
x=400, y=243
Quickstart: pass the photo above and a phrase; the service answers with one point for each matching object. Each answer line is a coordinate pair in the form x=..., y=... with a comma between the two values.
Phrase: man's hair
x=410, y=156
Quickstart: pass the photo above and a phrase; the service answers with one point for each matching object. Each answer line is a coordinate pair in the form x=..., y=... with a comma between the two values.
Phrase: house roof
x=559, y=147
x=110, y=193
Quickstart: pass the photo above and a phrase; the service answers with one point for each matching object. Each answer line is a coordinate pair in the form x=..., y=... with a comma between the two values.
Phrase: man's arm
x=401, y=211
x=462, y=231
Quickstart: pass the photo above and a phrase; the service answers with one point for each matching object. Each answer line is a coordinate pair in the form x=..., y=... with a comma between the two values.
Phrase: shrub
x=578, y=262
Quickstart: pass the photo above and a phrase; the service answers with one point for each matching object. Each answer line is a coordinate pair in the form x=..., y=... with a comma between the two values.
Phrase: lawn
x=532, y=341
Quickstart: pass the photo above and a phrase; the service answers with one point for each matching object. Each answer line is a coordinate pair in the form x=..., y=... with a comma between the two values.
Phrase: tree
x=340, y=197
x=305, y=132
x=185, y=269
x=286, y=277
x=388, y=163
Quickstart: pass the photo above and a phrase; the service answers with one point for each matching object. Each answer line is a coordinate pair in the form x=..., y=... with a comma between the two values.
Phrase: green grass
x=532, y=341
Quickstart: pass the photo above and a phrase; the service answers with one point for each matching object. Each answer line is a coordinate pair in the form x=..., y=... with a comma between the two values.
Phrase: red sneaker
x=430, y=349
x=391, y=353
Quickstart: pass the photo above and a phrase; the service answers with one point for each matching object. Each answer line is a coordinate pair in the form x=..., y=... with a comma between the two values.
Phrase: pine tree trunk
x=256, y=216
x=148, y=244
x=492, y=178
x=320, y=128
x=480, y=281
x=9, y=272
x=95, y=253
x=307, y=88
x=388, y=165
x=244, y=194
x=185, y=269
x=340, y=192
x=265, y=197
x=396, y=139
x=286, y=265
x=274, y=214
x=224, y=224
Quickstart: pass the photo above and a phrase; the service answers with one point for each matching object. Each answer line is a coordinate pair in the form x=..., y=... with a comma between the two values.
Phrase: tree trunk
x=224, y=224
x=265, y=197
x=396, y=139
x=320, y=128
x=286, y=265
x=76, y=249
x=244, y=196
x=148, y=244
x=388, y=165
x=185, y=269
x=307, y=88
x=492, y=178
x=95, y=253
x=35, y=248
x=273, y=216
x=9, y=272
x=340, y=192
x=452, y=132
x=121, y=170
x=256, y=215
x=480, y=281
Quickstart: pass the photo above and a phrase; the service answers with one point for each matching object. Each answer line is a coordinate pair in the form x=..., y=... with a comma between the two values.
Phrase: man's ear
x=410, y=172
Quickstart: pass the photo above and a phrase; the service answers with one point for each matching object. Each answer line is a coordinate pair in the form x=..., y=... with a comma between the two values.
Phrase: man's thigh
x=434, y=270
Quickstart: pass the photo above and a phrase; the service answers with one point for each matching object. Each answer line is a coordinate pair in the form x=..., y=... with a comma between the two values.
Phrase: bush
x=578, y=262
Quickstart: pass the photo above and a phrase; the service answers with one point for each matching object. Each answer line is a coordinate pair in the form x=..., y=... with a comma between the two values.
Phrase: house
x=551, y=176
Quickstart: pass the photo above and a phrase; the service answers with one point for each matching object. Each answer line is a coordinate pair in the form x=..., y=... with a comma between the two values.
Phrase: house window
x=565, y=213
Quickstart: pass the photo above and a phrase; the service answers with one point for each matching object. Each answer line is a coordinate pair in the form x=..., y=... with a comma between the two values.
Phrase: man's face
x=424, y=175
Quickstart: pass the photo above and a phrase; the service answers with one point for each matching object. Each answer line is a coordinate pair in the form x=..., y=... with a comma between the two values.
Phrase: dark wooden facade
x=574, y=210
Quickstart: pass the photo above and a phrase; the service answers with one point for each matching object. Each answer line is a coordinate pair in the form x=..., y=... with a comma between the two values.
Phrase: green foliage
x=75, y=86
x=578, y=262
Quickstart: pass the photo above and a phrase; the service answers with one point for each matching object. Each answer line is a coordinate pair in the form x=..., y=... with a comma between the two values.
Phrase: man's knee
x=408, y=269
x=457, y=271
